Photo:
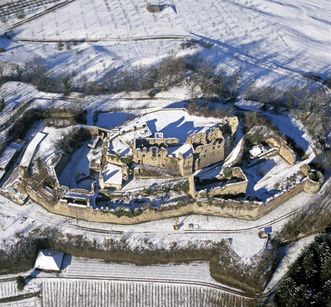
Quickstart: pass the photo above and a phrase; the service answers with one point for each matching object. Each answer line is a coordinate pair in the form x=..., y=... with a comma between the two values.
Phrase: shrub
x=227, y=172
x=25, y=122
x=182, y=186
x=253, y=119
x=73, y=140
x=20, y=14
x=2, y=105
x=130, y=213
x=60, y=45
x=194, y=108
x=314, y=176
x=328, y=82
x=20, y=282
x=66, y=87
x=204, y=81
x=253, y=139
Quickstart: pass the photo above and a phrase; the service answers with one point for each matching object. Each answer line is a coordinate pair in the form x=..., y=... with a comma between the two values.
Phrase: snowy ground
x=175, y=123
x=77, y=169
x=260, y=174
x=159, y=234
x=17, y=11
x=279, y=30
x=272, y=42
x=197, y=271
x=110, y=120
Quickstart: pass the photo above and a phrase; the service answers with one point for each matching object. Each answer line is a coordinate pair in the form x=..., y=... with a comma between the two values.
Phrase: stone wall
x=287, y=154
x=161, y=141
x=280, y=199
x=209, y=154
x=153, y=156
x=158, y=157
x=186, y=165
x=249, y=210
x=230, y=189
x=197, y=138
x=283, y=150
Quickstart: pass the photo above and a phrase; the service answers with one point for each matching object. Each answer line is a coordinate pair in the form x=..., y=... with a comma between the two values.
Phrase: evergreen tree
x=308, y=282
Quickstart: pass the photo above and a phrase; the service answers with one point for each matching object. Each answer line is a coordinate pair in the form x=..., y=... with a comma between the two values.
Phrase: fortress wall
x=225, y=208
x=230, y=189
x=249, y=210
x=162, y=160
x=197, y=138
x=186, y=165
x=280, y=199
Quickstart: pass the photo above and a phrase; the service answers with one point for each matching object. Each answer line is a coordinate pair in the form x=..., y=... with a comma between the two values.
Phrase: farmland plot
x=285, y=33
x=9, y=289
x=29, y=302
x=18, y=10
x=198, y=271
x=121, y=293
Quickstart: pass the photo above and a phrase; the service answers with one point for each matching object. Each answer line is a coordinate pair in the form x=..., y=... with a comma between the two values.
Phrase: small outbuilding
x=49, y=260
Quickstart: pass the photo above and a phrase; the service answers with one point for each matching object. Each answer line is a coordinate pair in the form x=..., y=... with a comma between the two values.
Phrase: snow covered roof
x=185, y=150
x=49, y=260
x=32, y=147
x=112, y=174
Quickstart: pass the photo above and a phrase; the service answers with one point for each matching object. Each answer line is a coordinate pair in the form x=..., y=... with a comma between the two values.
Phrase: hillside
x=269, y=41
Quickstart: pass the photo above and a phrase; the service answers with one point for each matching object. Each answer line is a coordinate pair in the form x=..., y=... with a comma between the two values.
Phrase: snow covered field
x=17, y=11
x=85, y=282
x=274, y=28
x=195, y=271
x=272, y=42
x=78, y=292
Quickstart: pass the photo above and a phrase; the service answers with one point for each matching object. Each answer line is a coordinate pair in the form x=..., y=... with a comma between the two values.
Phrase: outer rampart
x=248, y=210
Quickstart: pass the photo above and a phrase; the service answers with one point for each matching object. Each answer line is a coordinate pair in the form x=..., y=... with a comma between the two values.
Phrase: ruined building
x=199, y=150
